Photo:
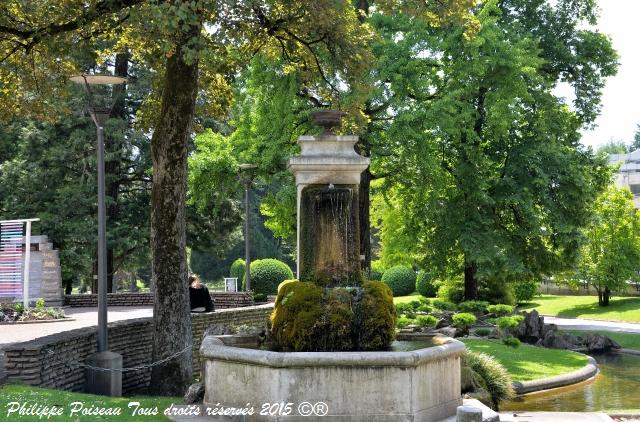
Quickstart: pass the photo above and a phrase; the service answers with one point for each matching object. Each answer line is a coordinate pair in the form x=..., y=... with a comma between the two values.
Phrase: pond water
x=410, y=345
x=615, y=387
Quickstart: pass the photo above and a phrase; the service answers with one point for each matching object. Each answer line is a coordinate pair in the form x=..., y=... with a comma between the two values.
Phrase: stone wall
x=52, y=361
x=223, y=300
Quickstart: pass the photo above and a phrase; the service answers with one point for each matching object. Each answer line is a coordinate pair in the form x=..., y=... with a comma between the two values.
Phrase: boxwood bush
x=424, y=284
x=500, y=310
x=426, y=321
x=237, y=270
x=267, y=274
x=464, y=320
x=473, y=306
x=401, y=280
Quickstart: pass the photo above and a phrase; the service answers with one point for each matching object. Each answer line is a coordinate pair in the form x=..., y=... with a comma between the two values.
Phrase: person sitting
x=199, y=296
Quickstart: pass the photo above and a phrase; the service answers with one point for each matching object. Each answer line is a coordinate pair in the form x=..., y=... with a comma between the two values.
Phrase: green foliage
x=40, y=304
x=500, y=310
x=425, y=285
x=426, y=321
x=464, y=320
x=489, y=374
x=525, y=290
x=309, y=318
x=473, y=306
x=19, y=308
x=237, y=270
x=375, y=275
x=482, y=332
x=260, y=298
x=511, y=341
x=496, y=291
x=267, y=274
x=401, y=280
x=508, y=323
x=404, y=321
x=611, y=253
x=444, y=305
x=416, y=304
x=451, y=290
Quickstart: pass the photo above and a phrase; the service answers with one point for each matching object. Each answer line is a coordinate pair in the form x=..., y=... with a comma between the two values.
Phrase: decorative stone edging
x=38, y=321
x=588, y=371
x=628, y=351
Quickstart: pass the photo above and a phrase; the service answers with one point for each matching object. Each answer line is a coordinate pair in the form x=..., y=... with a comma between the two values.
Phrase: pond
x=614, y=388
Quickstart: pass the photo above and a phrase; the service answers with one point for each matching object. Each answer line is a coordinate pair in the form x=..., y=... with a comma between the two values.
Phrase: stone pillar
x=327, y=176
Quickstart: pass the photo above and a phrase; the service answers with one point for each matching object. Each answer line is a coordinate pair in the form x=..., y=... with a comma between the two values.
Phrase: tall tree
x=492, y=177
x=611, y=253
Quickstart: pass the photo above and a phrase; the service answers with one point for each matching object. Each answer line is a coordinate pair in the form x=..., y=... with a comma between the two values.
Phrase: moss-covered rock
x=307, y=317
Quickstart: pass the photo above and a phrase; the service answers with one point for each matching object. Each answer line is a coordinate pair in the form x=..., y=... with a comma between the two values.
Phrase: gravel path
x=592, y=325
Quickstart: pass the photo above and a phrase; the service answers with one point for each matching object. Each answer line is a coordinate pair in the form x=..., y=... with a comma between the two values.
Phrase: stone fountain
x=332, y=330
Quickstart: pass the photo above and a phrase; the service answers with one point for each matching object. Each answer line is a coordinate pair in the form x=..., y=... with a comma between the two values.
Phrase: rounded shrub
x=508, y=323
x=485, y=373
x=451, y=290
x=500, y=309
x=426, y=321
x=403, y=321
x=525, y=290
x=375, y=275
x=401, y=280
x=444, y=305
x=425, y=285
x=267, y=274
x=464, y=320
x=237, y=270
x=511, y=342
x=474, y=306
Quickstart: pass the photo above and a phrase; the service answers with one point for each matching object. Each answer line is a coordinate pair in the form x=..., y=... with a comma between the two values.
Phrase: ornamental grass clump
x=483, y=372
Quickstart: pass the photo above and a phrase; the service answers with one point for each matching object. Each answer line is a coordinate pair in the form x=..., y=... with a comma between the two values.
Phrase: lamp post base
x=104, y=383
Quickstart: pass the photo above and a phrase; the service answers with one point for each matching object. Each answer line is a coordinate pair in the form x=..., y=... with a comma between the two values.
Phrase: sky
x=620, y=113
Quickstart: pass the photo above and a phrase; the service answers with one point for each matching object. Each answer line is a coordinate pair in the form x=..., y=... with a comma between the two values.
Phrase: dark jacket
x=200, y=298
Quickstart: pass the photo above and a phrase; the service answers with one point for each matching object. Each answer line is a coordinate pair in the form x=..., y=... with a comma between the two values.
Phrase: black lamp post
x=248, y=170
x=102, y=382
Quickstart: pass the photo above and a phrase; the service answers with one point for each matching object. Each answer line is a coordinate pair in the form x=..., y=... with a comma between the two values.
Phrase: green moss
x=379, y=317
x=307, y=317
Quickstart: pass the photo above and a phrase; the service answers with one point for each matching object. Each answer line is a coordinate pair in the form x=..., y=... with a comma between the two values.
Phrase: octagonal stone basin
x=420, y=385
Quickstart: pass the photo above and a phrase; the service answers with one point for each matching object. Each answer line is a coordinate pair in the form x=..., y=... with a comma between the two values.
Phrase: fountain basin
x=421, y=385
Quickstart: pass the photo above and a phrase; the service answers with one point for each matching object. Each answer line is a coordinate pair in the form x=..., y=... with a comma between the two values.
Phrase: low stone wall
x=550, y=288
x=223, y=300
x=52, y=361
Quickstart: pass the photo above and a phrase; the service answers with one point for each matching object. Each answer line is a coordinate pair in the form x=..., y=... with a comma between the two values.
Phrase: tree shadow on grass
x=528, y=305
x=619, y=305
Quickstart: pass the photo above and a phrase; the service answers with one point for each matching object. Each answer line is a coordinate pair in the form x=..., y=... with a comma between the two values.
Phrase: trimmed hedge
x=401, y=280
x=424, y=284
x=237, y=270
x=267, y=274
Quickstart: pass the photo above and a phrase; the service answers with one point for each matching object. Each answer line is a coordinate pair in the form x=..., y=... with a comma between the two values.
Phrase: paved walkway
x=592, y=325
x=83, y=317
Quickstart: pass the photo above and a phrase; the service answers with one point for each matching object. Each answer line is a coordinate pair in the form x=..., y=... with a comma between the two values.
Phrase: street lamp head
x=98, y=79
x=246, y=166
x=98, y=114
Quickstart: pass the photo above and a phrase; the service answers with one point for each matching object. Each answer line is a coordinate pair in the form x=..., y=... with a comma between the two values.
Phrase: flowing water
x=616, y=387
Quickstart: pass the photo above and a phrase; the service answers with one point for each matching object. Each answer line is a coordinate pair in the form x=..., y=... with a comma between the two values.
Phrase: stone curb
x=40, y=321
x=627, y=351
x=588, y=371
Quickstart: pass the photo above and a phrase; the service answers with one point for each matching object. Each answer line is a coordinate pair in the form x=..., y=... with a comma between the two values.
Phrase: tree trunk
x=470, y=282
x=606, y=296
x=600, y=297
x=171, y=311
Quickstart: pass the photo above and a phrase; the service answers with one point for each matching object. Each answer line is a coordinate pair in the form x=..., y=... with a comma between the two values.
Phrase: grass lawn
x=527, y=362
x=626, y=340
x=40, y=397
x=625, y=309
x=407, y=299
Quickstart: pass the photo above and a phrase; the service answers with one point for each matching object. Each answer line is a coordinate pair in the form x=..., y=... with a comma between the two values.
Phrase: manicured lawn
x=40, y=397
x=526, y=362
x=626, y=340
x=625, y=309
x=406, y=299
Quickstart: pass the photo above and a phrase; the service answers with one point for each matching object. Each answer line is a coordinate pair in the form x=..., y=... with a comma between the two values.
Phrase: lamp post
x=247, y=169
x=102, y=382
